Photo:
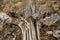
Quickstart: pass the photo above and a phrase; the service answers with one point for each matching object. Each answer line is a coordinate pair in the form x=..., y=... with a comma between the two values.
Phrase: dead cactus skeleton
x=26, y=27
x=31, y=30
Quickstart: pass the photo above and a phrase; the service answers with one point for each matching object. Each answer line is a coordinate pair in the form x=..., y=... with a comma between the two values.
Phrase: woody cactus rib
x=38, y=26
x=29, y=31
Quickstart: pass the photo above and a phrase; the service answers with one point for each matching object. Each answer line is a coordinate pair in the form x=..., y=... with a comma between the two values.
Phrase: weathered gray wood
x=34, y=37
x=28, y=28
x=38, y=26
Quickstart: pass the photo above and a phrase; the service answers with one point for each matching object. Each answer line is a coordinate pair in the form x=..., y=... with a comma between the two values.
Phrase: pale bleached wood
x=30, y=34
x=23, y=31
x=38, y=26
x=28, y=28
x=27, y=34
x=33, y=30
